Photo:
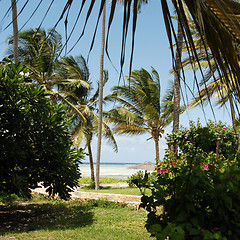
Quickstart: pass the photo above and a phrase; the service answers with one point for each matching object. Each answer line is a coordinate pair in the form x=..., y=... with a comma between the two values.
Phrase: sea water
x=111, y=170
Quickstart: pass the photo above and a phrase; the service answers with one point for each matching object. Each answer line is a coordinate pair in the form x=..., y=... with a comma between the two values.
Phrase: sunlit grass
x=102, y=180
x=116, y=190
x=41, y=218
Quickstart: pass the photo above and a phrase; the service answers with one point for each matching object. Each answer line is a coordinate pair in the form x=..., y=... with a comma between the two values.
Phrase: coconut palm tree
x=75, y=87
x=141, y=108
x=100, y=102
x=217, y=22
x=39, y=51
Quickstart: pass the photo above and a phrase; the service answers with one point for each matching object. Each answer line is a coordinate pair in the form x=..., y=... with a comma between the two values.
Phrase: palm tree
x=100, y=103
x=217, y=86
x=75, y=88
x=218, y=25
x=39, y=51
x=141, y=108
x=217, y=22
x=15, y=30
x=176, y=88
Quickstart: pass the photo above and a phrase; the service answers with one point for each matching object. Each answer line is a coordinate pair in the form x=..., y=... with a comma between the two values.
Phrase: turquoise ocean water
x=111, y=170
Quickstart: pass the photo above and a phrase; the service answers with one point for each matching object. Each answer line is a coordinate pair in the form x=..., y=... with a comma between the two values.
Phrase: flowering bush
x=205, y=139
x=196, y=195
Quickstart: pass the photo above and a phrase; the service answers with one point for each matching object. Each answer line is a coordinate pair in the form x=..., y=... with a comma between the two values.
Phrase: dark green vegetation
x=199, y=188
x=42, y=218
x=35, y=140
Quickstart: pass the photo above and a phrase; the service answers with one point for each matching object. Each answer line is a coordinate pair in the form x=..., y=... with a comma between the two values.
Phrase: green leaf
x=155, y=228
x=181, y=217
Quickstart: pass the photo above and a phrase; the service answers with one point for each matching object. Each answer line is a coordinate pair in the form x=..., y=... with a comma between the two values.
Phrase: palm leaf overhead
x=213, y=84
x=212, y=19
x=216, y=20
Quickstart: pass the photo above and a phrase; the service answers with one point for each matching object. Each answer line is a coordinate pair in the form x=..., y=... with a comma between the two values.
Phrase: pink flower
x=215, y=229
x=205, y=167
x=202, y=231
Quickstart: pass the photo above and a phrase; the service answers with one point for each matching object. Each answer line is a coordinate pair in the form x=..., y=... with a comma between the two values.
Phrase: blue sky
x=151, y=49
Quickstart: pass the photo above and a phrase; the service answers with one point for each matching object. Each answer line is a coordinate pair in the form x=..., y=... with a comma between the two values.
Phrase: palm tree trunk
x=91, y=163
x=233, y=119
x=232, y=108
x=157, y=150
x=176, y=89
x=15, y=30
x=100, y=100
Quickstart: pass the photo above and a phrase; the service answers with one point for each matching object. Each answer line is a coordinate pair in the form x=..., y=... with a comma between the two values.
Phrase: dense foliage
x=199, y=138
x=195, y=195
x=34, y=136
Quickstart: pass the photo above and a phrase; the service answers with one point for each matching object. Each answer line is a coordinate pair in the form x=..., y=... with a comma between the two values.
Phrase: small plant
x=9, y=198
x=141, y=180
x=135, y=179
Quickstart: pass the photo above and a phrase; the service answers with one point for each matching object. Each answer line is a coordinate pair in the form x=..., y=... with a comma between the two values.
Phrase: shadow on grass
x=51, y=215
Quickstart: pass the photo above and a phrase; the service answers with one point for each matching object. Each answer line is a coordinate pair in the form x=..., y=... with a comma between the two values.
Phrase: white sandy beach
x=119, y=171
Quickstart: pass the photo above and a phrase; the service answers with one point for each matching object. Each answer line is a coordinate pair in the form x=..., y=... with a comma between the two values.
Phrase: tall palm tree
x=100, y=102
x=176, y=88
x=101, y=87
x=75, y=87
x=15, y=30
x=39, y=50
x=141, y=108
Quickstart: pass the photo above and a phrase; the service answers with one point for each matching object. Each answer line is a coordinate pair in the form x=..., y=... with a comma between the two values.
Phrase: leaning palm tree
x=75, y=87
x=141, y=108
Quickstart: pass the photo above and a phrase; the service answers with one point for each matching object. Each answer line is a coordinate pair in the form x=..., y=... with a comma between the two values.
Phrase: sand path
x=130, y=200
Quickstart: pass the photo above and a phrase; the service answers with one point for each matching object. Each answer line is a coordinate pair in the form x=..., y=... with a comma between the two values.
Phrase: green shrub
x=205, y=139
x=196, y=195
x=35, y=139
x=9, y=198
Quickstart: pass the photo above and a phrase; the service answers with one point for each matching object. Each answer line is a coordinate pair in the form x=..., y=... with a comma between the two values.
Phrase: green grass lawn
x=42, y=218
x=102, y=180
x=115, y=190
